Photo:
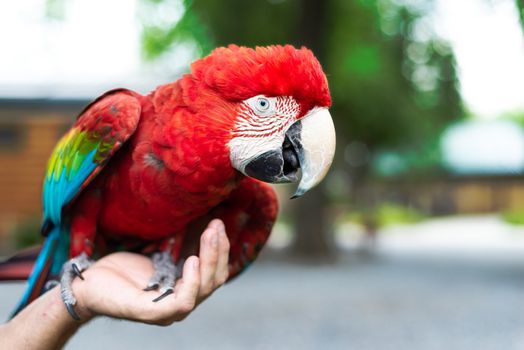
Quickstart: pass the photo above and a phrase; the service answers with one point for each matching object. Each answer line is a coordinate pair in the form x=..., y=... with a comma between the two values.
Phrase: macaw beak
x=315, y=145
x=309, y=144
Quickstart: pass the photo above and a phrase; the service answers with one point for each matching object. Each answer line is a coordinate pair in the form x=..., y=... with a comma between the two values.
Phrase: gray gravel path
x=363, y=302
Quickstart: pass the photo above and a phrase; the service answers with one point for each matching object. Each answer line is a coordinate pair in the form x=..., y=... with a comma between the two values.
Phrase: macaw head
x=281, y=121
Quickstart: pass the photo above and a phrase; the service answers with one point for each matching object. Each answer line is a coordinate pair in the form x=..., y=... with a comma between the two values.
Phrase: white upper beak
x=317, y=143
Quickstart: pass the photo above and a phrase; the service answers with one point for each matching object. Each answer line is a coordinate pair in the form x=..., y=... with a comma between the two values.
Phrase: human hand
x=113, y=285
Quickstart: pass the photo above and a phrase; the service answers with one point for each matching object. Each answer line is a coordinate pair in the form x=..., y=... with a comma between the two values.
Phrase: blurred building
x=29, y=129
x=479, y=169
x=451, y=195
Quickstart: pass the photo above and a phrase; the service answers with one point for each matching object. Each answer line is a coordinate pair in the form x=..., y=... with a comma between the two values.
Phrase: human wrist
x=82, y=308
x=43, y=324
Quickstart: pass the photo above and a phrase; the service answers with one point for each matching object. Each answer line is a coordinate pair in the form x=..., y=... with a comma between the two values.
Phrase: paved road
x=379, y=301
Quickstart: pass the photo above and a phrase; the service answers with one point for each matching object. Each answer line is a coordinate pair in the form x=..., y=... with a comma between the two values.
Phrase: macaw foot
x=164, y=276
x=71, y=269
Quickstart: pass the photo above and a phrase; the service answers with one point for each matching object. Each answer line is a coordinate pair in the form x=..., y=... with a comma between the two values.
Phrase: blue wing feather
x=60, y=191
x=50, y=260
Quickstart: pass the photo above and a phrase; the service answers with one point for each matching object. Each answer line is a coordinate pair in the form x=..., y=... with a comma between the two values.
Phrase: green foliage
x=516, y=116
x=385, y=214
x=247, y=22
x=411, y=92
x=514, y=217
x=159, y=36
x=362, y=61
x=217, y=23
x=390, y=214
x=520, y=8
x=423, y=161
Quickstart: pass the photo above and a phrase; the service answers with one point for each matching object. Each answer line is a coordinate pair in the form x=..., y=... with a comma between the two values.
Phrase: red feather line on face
x=250, y=124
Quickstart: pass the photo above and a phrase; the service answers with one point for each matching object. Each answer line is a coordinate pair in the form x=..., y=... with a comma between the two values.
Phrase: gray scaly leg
x=71, y=269
x=164, y=276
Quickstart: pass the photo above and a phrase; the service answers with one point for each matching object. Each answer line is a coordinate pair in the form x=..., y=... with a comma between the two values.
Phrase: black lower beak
x=278, y=166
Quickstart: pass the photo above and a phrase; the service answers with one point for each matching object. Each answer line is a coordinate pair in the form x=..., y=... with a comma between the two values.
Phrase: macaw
x=136, y=172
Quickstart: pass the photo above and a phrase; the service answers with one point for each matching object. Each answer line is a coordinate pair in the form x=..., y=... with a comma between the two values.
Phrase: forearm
x=43, y=324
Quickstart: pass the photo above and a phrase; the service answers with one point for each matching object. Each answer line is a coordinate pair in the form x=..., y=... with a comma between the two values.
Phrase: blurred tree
x=520, y=8
x=313, y=238
x=393, y=81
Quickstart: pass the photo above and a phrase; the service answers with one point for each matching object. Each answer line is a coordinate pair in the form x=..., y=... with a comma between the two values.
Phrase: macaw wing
x=100, y=130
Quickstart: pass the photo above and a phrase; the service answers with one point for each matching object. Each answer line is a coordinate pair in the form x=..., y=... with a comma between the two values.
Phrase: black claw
x=165, y=294
x=72, y=312
x=151, y=287
x=77, y=272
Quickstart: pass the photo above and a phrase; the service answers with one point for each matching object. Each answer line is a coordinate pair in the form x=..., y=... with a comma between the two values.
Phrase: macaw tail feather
x=19, y=266
x=48, y=264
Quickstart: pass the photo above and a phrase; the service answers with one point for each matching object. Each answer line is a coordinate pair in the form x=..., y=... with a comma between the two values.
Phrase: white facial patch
x=261, y=126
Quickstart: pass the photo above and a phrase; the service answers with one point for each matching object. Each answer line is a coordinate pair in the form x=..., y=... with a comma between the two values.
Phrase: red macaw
x=135, y=172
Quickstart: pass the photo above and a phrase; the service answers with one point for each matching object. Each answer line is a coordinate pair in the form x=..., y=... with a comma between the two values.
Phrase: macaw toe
x=71, y=269
x=167, y=292
x=164, y=276
x=71, y=309
x=151, y=287
x=76, y=271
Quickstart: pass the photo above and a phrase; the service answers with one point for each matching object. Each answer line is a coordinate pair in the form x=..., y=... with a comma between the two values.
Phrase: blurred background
x=414, y=240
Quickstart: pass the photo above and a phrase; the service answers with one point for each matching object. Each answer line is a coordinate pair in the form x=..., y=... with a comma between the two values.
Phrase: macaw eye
x=262, y=104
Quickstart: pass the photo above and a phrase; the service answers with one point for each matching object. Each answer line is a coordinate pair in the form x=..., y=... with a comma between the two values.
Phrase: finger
x=223, y=257
x=208, y=259
x=186, y=295
x=215, y=224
